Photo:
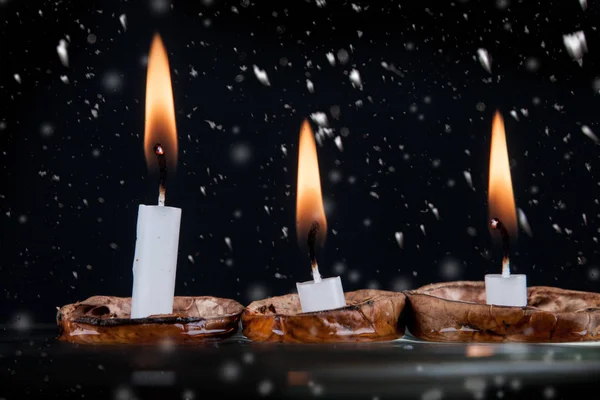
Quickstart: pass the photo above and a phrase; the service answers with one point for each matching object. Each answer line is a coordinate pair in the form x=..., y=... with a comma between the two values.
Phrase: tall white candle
x=155, y=261
x=157, y=242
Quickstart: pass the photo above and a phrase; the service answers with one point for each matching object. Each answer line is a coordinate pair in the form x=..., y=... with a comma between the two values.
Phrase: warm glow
x=501, y=202
x=479, y=350
x=309, y=202
x=160, y=110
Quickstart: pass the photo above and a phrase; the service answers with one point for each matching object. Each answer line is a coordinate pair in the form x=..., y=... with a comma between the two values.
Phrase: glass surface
x=34, y=364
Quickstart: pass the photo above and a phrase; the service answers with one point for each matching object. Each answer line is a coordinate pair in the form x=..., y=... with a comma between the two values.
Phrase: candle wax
x=506, y=290
x=319, y=296
x=155, y=261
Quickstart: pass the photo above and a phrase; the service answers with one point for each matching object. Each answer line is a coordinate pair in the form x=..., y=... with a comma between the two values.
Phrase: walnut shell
x=370, y=315
x=457, y=312
x=105, y=320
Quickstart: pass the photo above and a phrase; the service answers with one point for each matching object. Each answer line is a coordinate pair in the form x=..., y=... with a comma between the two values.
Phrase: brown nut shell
x=105, y=320
x=457, y=312
x=370, y=315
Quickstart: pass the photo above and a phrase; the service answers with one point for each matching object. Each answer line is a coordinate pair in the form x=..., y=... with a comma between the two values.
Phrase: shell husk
x=457, y=312
x=370, y=315
x=106, y=320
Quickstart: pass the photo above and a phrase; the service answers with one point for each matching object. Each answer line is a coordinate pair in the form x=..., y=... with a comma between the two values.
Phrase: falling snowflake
x=484, y=59
x=576, y=45
x=310, y=86
x=338, y=143
x=123, y=20
x=61, y=49
x=261, y=75
x=400, y=239
x=589, y=133
x=331, y=58
x=320, y=118
x=523, y=222
x=355, y=79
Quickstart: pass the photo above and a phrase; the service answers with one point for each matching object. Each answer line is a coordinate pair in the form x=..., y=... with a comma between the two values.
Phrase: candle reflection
x=479, y=350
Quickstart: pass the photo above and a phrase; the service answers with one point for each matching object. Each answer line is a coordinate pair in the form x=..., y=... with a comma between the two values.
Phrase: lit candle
x=504, y=289
x=155, y=260
x=320, y=293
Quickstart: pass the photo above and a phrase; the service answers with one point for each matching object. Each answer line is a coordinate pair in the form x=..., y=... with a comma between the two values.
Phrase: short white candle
x=508, y=290
x=318, y=294
x=505, y=289
x=321, y=294
x=155, y=261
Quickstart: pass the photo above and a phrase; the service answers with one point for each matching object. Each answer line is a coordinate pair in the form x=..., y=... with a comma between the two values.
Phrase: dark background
x=72, y=181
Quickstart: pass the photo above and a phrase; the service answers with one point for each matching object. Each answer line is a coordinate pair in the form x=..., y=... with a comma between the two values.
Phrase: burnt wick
x=159, y=150
x=495, y=223
x=312, y=238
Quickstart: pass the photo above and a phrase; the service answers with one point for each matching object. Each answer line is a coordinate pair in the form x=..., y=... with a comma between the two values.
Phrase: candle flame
x=309, y=201
x=501, y=202
x=160, y=111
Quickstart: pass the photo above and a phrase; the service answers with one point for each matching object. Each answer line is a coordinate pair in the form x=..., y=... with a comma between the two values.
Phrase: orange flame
x=309, y=201
x=501, y=202
x=160, y=110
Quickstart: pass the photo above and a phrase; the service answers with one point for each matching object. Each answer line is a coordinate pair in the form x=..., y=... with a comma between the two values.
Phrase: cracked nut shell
x=370, y=315
x=457, y=312
x=105, y=320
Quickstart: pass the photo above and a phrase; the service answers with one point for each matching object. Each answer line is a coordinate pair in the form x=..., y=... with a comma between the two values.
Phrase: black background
x=71, y=182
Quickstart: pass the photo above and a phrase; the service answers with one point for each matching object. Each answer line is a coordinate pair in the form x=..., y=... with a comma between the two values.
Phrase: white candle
x=505, y=289
x=510, y=290
x=318, y=294
x=157, y=241
x=155, y=262
x=321, y=294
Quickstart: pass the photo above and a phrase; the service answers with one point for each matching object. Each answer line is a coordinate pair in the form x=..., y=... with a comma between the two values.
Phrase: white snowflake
x=261, y=75
x=484, y=59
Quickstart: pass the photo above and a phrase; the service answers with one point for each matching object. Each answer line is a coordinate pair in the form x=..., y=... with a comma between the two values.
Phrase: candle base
x=107, y=320
x=370, y=315
x=327, y=294
x=457, y=312
x=508, y=290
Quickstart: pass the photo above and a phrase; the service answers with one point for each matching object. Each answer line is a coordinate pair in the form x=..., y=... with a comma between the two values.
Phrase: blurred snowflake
x=22, y=321
x=256, y=292
x=230, y=371
x=112, y=81
x=160, y=6
x=400, y=284
x=240, y=153
x=47, y=129
x=450, y=268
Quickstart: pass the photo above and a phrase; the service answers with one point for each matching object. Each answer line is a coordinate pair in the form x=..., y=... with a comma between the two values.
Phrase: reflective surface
x=35, y=365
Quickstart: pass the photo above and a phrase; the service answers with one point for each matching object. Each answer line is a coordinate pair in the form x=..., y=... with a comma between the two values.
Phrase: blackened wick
x=495, y=223
x=159, y=150
x=312, y=238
